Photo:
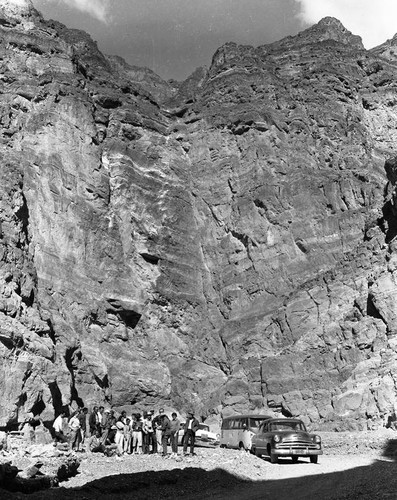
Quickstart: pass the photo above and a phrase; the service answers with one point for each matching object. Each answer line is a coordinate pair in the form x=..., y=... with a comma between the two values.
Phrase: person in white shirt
x=74, y=426
x=58, y=429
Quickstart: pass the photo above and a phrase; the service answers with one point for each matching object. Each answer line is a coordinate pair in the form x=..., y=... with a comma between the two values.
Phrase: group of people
x=120, y=434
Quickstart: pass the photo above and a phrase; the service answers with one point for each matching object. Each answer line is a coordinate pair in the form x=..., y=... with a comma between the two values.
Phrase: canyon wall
x=224, y=244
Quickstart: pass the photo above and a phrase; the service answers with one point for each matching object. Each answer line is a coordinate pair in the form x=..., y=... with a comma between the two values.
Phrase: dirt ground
x=354, y=466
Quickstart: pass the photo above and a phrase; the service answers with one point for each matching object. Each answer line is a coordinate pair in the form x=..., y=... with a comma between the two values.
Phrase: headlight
x=317, y=439
x=276, y=438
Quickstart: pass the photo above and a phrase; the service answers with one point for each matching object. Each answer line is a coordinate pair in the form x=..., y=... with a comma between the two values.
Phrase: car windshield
x=204, y=427
x=256, y=422
x=287, y=426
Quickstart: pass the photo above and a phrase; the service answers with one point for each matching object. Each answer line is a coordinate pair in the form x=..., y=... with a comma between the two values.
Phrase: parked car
x=237, y=431
x=204, y=437
x=281, y=437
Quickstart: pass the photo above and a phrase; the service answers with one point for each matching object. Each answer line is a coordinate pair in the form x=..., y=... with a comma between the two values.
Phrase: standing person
x=127, y=436
x=148, y=435
x=100, y=416
x=175, y=425
x=93, y=421
x=137, y=435
x=82, y=416
x=58, y=429
x=191, y=427
x=105, y=419
x=74, y=426
x=119, y=437
x=111, y=425
x=157, y=422
x=165, y=433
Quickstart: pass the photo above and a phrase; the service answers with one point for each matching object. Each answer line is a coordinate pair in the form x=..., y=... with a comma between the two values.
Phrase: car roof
x=248, y=415
x=281, y=419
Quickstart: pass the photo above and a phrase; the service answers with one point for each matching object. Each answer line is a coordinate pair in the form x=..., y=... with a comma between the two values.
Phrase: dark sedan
x=286, y=437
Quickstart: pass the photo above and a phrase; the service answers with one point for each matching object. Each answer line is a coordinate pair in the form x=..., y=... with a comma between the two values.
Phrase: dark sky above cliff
x=173, y=37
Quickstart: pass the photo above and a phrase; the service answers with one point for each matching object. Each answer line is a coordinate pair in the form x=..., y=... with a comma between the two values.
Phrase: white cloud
x=374, y=21
x=95, y=8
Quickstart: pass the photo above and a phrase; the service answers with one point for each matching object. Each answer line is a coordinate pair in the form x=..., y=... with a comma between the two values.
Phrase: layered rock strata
x=224, y=244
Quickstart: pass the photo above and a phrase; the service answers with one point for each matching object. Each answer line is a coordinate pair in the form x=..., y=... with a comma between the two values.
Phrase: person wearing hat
x=191, y=427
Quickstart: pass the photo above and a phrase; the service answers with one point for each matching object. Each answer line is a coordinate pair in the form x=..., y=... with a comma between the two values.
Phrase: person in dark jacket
x=93, y=422
x=191, y=427
x=165, y=433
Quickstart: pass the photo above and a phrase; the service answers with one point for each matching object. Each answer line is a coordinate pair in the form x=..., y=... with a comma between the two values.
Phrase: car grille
x=297, y=443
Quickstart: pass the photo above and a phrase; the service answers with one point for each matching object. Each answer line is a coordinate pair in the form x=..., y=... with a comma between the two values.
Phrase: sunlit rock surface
x=224, y=244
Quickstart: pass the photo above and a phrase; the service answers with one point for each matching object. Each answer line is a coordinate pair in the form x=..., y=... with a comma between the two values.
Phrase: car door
x=246, y=434
x=259, y=439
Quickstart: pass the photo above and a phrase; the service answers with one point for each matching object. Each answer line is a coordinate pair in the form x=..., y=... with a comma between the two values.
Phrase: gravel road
x=354, y=466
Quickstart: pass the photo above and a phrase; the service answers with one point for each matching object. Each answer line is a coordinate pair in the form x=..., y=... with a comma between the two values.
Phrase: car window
x=286, y=426
x=226, y=424
x=204, y=427
x=234, y=424
x=254, y=423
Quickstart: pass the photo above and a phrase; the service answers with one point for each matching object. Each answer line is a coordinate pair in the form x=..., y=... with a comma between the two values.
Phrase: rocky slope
x=225, y=244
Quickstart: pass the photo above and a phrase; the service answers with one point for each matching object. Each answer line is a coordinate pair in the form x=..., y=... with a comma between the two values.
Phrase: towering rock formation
x=226, y=243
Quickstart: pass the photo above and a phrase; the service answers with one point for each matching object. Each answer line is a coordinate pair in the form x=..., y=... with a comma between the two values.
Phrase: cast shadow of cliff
x=378, y=480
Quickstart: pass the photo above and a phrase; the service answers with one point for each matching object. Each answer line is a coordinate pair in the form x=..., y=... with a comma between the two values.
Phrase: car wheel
x=314, y=459
x=273, y=458
x=255, y=452
x=294, y=458
x=222, y=446
x=242, y=447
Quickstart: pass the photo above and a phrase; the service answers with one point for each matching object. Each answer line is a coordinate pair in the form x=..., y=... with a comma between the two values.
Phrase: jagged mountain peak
x=327, y=29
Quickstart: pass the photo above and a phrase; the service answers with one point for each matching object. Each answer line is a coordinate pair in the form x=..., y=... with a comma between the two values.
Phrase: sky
x=174, y=37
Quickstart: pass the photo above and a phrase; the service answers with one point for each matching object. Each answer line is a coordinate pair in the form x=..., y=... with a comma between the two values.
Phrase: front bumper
x=296, y=451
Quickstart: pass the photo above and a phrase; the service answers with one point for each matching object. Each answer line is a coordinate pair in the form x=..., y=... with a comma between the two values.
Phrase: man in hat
x=191, y=427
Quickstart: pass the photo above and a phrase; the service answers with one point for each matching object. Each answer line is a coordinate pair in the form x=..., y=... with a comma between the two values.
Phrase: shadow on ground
x=390, y=451
x=376, y=481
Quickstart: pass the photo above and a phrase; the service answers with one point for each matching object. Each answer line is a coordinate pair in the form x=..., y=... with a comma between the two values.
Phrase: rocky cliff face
x=225, y=244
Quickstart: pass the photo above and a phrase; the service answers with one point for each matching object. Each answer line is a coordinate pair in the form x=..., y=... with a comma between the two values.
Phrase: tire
x=273, y=458
x=294, y=458
x=241, y=446
x=222, y=446
x=255, y=452
x=314, y=459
